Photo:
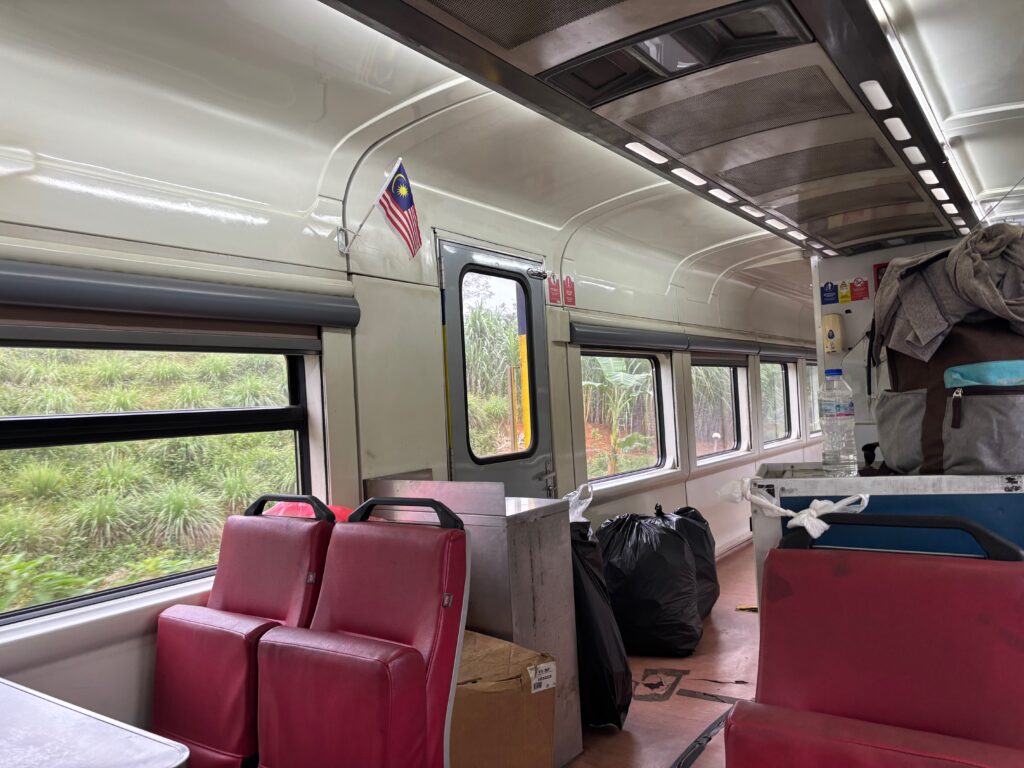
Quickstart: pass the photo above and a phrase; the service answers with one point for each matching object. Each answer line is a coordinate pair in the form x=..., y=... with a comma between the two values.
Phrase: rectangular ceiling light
x=964, y=231
x=897, y=129
x=722, y=195
x=646, y=152
x=689, y=177
x=914, y=155
x=876, y=95
x=815, y=245
x=752, y=211
x=959, y=222
x=776, y=223
x=950, y=208
x=830, y=252
x=939, y=193
x=929, y=177
x=796, y=235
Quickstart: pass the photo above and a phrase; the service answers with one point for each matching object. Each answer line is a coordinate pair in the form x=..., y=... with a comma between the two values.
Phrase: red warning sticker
x=858, y=289
x=569, y=288
x=554, y=289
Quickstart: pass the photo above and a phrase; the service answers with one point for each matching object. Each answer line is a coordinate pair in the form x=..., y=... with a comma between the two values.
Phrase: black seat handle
x=993, y=545
x=447, y=518
x=320, y=510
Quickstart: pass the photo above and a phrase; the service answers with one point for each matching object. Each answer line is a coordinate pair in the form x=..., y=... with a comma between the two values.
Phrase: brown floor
x=666, y=716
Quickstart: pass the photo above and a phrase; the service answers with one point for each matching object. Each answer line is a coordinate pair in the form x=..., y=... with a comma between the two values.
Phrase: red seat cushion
x=404, y=584
x=928, y=643
x=205, y=683
x=335, y=698
x=270, y=567
x=763, y=736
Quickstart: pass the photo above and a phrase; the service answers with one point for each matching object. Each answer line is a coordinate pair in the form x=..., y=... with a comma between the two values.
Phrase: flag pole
x=347, y=247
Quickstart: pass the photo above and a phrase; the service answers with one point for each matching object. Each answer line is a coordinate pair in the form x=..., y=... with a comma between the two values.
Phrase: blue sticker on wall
x=829, y=293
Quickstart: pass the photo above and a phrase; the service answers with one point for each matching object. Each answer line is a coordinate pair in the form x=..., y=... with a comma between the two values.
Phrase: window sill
x=617, y=487
x=102, y=623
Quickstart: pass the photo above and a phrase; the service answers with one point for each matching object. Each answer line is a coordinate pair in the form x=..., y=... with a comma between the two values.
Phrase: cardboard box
x=504, y=715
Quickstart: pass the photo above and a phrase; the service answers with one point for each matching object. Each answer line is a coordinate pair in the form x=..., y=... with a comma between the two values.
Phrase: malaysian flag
x=395, y=202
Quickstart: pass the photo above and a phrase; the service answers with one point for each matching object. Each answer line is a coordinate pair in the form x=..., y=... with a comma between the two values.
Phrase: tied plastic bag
x=652, y=580
x=738, y=491
x=579, y=500
x=606, y=682
x=695, y=529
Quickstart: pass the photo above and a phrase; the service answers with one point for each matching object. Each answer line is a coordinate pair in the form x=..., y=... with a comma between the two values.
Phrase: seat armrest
x=204, y=687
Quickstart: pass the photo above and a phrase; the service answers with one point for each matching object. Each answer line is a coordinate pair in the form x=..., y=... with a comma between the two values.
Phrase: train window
x=622, y=414
x=811, y=401
x=120, y=467
x=775, y=414
x=497, y=354
x=716, y=409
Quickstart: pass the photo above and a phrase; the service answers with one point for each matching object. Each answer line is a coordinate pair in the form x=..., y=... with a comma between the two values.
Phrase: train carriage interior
x=458, y=383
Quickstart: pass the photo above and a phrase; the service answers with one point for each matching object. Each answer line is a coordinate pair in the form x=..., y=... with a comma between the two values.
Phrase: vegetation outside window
x=622, y=419
x=716, y=409
x=813, y=415
x=120, y=466
x=497, y=354
x=775, y=422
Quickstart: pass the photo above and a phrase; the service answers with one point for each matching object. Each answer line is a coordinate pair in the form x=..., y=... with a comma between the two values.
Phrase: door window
x=497, y=354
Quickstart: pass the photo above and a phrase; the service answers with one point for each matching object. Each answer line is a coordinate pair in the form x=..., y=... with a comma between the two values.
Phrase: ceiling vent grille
x=734, y=111
x=802, y=166
x=850, y=200
x=511, y=23
x=877, y=227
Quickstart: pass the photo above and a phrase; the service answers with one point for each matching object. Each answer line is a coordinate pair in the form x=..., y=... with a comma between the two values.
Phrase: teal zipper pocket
x=996, y=373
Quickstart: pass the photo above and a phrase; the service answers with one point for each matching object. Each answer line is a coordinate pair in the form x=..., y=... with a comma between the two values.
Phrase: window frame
x=49, y=431
x=659, y=410
x=792, y=431
x=531, y=356
x=811, y=387
x=739, y=446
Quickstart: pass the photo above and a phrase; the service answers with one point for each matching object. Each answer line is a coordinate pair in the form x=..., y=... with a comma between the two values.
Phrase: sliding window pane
x=715, y=409
x=40, y=382
x=775, y=423
x=622, y=415
x=78, y=519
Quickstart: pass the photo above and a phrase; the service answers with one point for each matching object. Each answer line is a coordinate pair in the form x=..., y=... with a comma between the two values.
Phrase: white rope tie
x=739, y=490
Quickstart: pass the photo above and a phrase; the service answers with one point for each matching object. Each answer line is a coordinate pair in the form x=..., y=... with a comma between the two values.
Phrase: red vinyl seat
x=879, y=659
x=370, y=683
x=204, y=695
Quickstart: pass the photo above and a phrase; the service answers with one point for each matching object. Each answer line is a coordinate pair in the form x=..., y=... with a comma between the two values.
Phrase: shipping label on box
x=542, y=677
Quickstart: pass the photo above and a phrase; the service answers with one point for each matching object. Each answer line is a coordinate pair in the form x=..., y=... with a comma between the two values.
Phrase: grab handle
x=447, y=518
x=993, y=545
x=320, y=510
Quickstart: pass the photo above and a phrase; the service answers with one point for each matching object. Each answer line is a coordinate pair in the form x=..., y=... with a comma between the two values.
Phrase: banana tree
x=617, y=384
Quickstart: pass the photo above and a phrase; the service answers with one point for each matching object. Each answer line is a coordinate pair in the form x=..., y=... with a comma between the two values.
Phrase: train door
x=499, y=412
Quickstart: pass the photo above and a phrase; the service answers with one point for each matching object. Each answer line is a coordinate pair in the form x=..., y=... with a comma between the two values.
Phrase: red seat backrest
x=403, y=583
x=932, y=643
x=271, y=567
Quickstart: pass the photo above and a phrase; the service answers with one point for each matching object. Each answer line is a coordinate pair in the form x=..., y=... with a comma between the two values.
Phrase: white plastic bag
x=579, y=500
x=738, y=491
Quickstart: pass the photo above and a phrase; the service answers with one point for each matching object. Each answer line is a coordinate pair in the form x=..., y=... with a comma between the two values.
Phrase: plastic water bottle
x=839, y=457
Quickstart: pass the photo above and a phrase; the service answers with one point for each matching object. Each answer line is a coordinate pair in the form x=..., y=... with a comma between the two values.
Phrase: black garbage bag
x=652, y=580
x=606, y=683
x=697, y=532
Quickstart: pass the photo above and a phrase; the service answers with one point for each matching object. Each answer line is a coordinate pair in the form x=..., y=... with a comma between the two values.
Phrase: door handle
x=537, y=274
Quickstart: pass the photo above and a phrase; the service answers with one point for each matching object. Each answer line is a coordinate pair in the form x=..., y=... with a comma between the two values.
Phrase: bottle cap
x=834, y=372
